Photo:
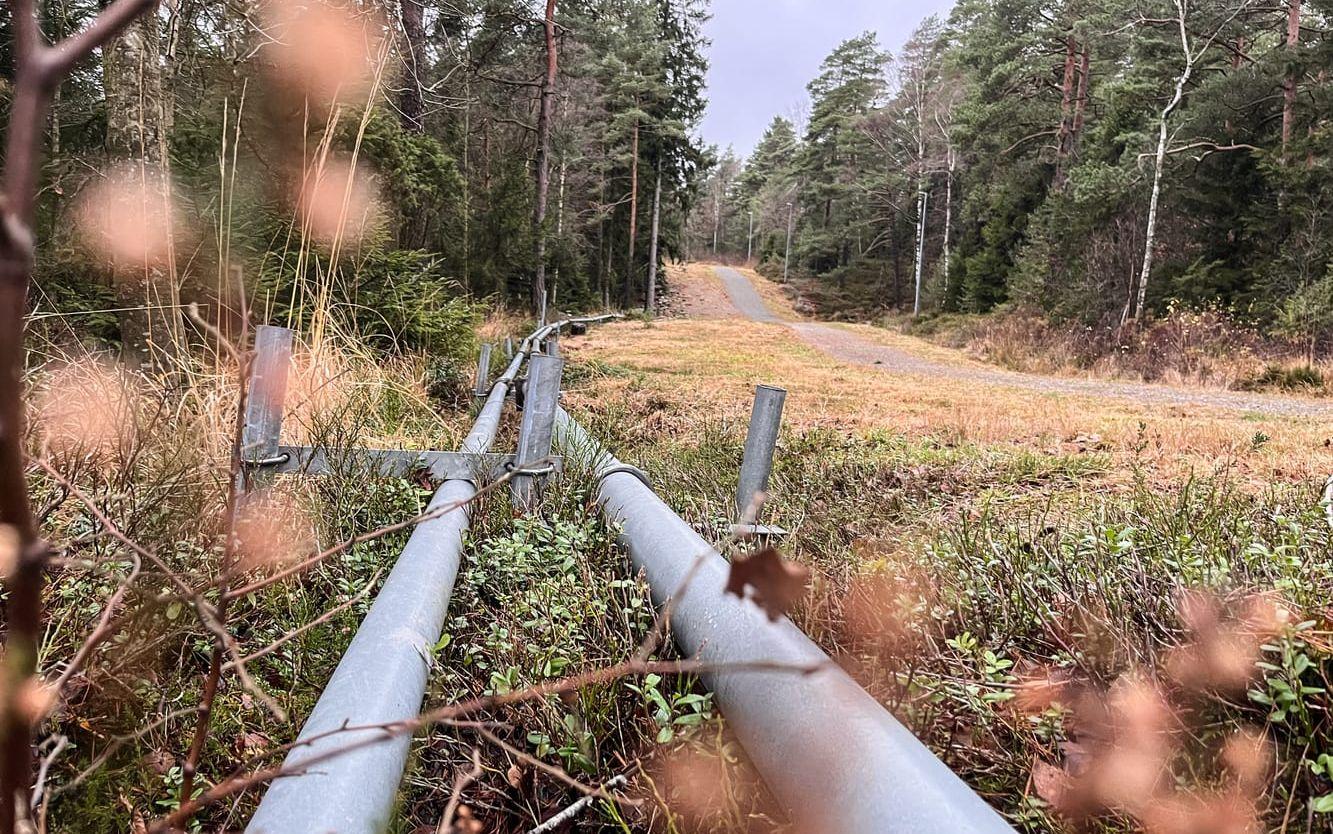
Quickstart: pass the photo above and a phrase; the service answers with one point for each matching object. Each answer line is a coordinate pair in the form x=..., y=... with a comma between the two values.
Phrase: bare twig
x=213, y=679
x=576, y=808
x=387, y=530
x=117, y=743
x=456, y=794
x=318, y=621
x=462, y=709
x=39, y=790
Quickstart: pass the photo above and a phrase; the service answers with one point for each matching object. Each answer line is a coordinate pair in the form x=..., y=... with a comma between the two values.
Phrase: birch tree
x=543, y=167
x=1193, y=50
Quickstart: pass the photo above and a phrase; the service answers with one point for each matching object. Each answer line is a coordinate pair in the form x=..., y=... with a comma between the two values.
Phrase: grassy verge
x=1208, y=349
x=152, y=456
x=959, y=567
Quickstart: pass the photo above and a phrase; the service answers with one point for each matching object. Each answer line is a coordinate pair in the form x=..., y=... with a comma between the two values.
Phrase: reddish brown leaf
x=1049, y=781
x=775, y=584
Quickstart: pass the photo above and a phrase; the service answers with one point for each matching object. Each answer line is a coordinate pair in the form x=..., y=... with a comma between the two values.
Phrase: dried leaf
x=9, y=550
x=775, y=583
x=1049, y=781
x=158, y=761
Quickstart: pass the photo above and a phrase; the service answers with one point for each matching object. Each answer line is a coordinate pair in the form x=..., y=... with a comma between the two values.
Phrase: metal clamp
x=277, y=460
x=548, y=469
x=625, y=469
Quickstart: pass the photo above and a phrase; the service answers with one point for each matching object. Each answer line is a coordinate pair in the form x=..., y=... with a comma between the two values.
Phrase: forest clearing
x=673, y=416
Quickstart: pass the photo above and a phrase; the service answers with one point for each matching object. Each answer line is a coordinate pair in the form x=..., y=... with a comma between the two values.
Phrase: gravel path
x=744, y=296
x=852, y=349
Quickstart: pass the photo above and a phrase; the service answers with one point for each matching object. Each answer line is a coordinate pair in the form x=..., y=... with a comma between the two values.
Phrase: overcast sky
x=765, y=52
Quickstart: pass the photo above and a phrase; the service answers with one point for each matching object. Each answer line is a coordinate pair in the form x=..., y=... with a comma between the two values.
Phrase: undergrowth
x=1208, y=348
x=541, y=597
x=948, y=577
x=151, y=454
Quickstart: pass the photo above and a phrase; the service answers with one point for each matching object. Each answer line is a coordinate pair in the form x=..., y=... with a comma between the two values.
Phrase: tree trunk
x=650, y=304
x=895, y=239
x=1081, y=99
x=543, y=164
x=923, y=203
x=410, y=106
x=603, y=263
x=948, y=217
x=1159, y=165
x=180, y=19
x=1289, y=86
x=467, y=186
x=633, y=214
x=717, y=213
x=132, y=77
x=559, y=231
x=1066, y=106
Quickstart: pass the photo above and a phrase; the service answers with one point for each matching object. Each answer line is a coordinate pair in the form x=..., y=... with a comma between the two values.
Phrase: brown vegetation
x=1182, y=348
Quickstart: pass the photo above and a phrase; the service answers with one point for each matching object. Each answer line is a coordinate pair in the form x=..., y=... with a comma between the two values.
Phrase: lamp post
x=749, y=239
x=786, y=261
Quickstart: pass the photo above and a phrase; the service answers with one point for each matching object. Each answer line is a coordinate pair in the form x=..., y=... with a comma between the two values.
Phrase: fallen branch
x=575, y=809
x=236, y=784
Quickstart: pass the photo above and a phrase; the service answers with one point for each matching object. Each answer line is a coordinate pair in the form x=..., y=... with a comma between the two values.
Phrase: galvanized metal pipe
x=382, y=677
x=830, y=753
x=483, y=370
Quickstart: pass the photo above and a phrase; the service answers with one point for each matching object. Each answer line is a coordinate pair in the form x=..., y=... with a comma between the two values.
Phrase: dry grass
x=967, y=539
x=1208, y=349
x=501, y=322
x=684, y=371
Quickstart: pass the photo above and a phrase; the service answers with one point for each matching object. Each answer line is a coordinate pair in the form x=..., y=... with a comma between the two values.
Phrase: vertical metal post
x=509, y=348
x=541, y=401
x=786, y=260
x=267, y=393
x=483, y=371
x=542, y=312
x=749, y=239
x=760, y=441
x=553, y=345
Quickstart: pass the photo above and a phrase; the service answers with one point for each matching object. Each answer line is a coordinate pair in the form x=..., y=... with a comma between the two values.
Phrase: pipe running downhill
x=382, y=677
x=830, y=753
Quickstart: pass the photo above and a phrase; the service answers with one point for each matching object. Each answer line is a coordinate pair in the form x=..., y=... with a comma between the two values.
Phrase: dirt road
x=852, y=349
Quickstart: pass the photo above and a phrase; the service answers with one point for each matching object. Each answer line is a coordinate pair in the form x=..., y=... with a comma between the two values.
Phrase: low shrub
x=1206, y=347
